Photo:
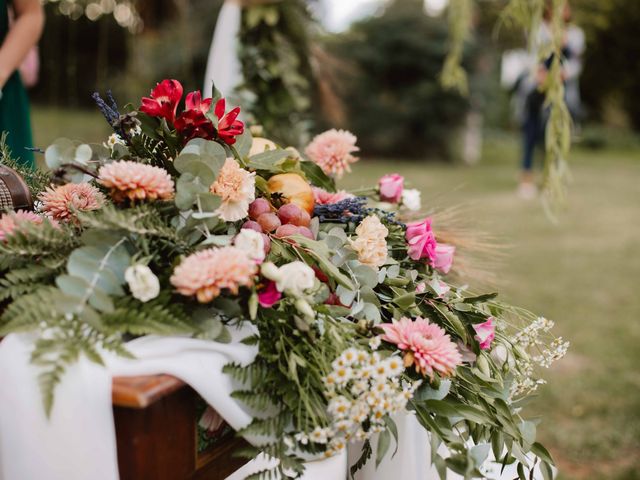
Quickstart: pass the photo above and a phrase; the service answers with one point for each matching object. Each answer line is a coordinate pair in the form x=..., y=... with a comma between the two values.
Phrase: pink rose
x=421, y=241
x=269, y=296
x=391, y=187
x=485, y=333
x=444, y=257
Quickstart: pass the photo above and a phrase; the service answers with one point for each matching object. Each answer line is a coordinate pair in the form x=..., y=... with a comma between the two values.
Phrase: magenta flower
x=269, y=295
x=426, y=346
x=444, y=257
x=485, y=333
x=421, y=241
x=391, y=187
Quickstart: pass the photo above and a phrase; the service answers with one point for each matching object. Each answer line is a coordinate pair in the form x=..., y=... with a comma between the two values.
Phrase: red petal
x=221, y=105
x=193, y=100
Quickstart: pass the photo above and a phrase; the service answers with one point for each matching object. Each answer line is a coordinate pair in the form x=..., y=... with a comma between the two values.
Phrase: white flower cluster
x=530, y=335
x=363, y=389
x=557, y=349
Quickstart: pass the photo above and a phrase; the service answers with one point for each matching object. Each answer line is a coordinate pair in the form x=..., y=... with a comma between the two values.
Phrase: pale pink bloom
x=10, y=221
x=439, y=287
x=322, y=197
x=333, y=151
x=391, y=187
x=426, y=346
x=206, y=273
x=370, y=243
x=421, y=241
x=64, y=202
x=421, y=287
x=211, y=421
x=485, y=333
x=136, y=181
x=236, y=186
x=444, y=257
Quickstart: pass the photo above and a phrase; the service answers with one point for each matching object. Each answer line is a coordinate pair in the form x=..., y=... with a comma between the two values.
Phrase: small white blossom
x=320, y=435
x=411, y=199
x=374, y=343
x=251, y=242
x=143, y=283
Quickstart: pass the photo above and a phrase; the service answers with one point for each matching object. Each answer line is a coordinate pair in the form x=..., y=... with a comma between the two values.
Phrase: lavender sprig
x=109, y=110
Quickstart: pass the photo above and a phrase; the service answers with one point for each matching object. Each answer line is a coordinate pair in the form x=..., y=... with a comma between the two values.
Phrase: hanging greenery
x=528, y=15
x=276, y=60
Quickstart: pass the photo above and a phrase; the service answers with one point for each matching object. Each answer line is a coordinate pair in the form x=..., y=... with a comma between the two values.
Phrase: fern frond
x=271, y=426
x=253, y=399
x=19, y=282
x=251, y=375
x=157, y=316
x=28, y=311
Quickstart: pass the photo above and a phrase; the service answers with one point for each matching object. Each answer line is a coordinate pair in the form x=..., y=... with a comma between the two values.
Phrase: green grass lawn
x=583, y=272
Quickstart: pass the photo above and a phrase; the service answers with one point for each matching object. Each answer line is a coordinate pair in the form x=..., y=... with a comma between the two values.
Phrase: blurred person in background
x=18, y=37
x=530, y=97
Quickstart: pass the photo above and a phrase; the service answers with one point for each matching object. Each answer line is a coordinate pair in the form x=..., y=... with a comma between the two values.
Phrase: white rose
x=251, y=242
x=294, y=278
x=270, y=271
x=411, y=199
x=144, y=285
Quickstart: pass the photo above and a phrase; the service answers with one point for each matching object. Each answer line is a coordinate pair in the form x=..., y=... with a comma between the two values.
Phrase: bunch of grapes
x=287, y=220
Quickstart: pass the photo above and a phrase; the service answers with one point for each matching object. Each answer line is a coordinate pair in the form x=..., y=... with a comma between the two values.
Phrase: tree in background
x=394, y=98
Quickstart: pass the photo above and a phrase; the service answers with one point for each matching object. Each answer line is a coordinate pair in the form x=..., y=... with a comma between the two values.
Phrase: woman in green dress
x=16, y=42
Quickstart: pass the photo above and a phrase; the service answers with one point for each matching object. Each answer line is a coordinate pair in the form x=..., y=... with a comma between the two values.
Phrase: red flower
x=194, y=124
x=228, y=125
x=194, y=102
x=164, y=100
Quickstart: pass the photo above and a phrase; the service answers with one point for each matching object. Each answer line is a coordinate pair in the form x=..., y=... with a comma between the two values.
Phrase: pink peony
x=333, y=151
x=136, y=181
x=322, y=197
x=391, y=187
x=207, y=272
x=425, y=345
x=444, y=257
x=269, y=295
x=12, y=220
x=485, y=333
x=421, y=241
x=64, y=202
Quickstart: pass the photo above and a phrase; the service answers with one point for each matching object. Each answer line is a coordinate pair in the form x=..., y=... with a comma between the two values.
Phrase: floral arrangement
x=183, y=224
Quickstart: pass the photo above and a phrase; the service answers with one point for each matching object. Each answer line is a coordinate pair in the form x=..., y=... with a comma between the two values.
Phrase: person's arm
x=23, y=35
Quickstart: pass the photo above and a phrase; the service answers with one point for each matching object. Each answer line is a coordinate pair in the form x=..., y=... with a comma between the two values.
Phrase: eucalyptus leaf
x=384, y=442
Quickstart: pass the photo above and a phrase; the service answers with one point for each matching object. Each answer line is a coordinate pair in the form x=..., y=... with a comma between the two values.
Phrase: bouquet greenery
x=183, y=224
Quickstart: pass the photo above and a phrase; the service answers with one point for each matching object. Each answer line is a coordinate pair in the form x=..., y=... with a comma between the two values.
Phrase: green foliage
x=396, y=103
x=276, y=64
x=36, y=179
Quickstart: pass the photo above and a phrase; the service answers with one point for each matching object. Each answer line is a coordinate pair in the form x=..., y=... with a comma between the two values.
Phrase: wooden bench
x=156, y=420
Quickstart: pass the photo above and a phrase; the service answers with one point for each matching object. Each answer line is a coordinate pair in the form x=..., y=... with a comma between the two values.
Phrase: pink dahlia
x=333, y=151
x=206, y=273
x=12, y=220
x=64, y=202
x=421, y=241
x=322, y=197
x=425, y=345
x=136, y=181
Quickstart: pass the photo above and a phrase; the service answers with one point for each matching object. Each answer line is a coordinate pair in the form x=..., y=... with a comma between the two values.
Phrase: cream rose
x=143, y=283
x=370, y=243
x=251, y=242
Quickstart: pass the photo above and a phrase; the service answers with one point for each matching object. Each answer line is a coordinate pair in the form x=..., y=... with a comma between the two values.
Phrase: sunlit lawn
x=583, y=272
